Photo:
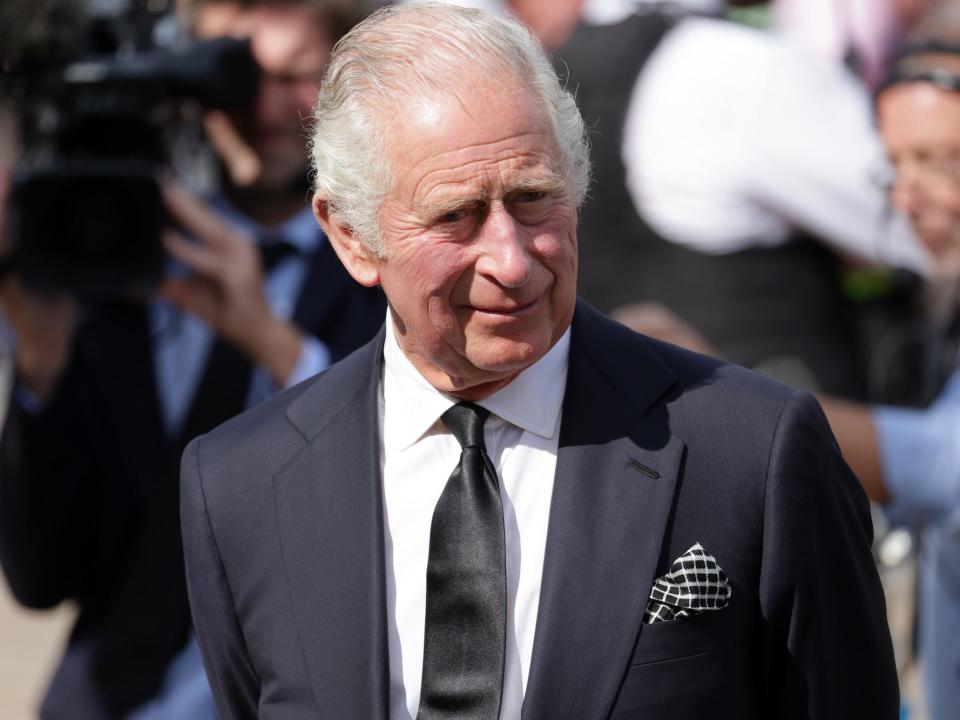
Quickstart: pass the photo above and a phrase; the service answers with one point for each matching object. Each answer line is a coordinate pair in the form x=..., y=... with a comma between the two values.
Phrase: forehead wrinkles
x=489, y=166
x=919, y=118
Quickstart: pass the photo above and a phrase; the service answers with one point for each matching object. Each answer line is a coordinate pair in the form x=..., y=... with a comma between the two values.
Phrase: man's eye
x=453, y=216
x=531, y=196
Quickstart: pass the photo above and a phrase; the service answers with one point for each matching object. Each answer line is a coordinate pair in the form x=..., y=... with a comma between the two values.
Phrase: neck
x=478, y=392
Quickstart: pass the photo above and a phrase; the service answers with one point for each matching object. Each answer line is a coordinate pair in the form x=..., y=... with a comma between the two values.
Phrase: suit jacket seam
x=773, y=448
x=223, y=569
x=775, y=444
x=304, y=656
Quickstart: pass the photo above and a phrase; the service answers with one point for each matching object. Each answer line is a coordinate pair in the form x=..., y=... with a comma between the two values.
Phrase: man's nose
x=505, y=257
x=908, y=194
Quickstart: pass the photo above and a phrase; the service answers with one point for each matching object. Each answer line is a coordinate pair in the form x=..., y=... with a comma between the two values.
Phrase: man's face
x=920, y=124
x=480, y=237
x=909, y=11
x=292, y=46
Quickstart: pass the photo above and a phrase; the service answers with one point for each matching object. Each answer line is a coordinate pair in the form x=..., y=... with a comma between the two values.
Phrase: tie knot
x=465, y=420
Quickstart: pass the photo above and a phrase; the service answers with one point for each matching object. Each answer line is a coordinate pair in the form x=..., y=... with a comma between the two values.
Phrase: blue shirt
x=181, y=343
x=920, y=457
x=185, y=693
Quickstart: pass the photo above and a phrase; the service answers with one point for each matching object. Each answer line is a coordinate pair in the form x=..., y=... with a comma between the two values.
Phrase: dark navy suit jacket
x=282, y=517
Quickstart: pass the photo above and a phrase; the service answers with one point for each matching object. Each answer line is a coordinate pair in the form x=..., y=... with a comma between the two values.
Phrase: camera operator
x=108, y=393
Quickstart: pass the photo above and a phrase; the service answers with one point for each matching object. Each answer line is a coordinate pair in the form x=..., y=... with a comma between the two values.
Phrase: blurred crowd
x=775, y=184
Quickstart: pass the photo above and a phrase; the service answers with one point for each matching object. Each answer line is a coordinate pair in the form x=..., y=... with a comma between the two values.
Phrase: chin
x=512, y=357
x=946, y=262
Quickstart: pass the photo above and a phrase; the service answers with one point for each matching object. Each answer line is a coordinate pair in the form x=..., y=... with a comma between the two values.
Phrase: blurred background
x=775, y=183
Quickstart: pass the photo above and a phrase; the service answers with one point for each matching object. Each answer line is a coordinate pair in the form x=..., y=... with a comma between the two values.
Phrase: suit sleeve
x=233, y=680
x=826, y=645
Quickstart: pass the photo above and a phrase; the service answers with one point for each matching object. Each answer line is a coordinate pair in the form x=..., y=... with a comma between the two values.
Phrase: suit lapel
x=617, y=468
x=330, y=518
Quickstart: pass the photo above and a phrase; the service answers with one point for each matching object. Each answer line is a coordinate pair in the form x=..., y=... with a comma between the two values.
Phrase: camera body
x=86, y=211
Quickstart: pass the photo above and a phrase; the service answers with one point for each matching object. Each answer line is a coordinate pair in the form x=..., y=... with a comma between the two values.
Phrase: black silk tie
x=466, y=610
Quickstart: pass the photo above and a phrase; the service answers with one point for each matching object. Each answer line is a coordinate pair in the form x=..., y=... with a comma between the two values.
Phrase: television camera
x=102, y=112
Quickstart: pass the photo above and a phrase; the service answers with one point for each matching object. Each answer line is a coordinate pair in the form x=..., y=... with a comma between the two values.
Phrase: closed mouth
x=513, y=311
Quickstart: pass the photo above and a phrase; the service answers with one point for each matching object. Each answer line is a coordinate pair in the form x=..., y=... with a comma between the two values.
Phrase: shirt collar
x=301, y=230
x=532, y=401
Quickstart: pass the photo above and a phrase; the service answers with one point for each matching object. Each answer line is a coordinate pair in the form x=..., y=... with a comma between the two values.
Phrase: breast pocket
x=680, y=638
x=679, y=668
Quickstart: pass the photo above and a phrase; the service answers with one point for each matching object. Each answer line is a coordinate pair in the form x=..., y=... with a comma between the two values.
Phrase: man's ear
x=362, y=264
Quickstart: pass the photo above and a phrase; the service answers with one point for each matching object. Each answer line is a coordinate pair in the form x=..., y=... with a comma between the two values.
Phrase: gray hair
x=421, y=49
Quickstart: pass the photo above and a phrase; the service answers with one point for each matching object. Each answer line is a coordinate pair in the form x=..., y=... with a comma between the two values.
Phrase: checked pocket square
x=694, y=584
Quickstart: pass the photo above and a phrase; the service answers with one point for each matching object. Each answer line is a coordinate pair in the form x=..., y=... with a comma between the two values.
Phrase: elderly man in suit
x=508, y=505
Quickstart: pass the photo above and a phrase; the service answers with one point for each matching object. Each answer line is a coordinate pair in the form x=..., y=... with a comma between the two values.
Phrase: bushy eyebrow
x=438, y=208
x=547, y=182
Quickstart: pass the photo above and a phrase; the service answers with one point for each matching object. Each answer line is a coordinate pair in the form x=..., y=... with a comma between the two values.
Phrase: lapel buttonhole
x=640, y=467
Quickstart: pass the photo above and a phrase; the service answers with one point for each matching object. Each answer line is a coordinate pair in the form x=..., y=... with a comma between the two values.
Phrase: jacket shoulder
x=627, y=358
x=254, y=445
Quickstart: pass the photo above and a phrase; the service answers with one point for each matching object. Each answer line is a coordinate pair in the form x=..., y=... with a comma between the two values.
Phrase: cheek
x=937, y=229
x=424, y=277
x=941, y=203
x=935, y=224
x=950, y=198
x=557, y=248
x=443, y=321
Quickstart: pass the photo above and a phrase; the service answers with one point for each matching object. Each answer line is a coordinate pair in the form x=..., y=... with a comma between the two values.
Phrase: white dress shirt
x=418, y=455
